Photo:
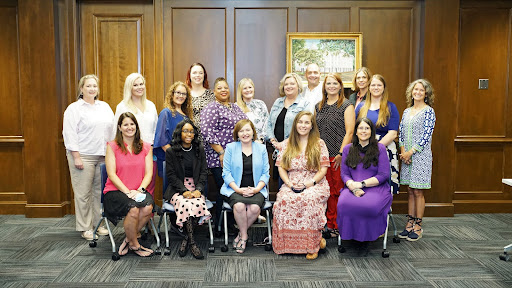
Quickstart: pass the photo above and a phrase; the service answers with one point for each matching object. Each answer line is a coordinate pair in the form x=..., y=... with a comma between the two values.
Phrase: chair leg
x=225, y=214
x=269, y=227
x=167, y=250
x=385, y=240
x=211, y=248
x=158, y=250
x=114, y=250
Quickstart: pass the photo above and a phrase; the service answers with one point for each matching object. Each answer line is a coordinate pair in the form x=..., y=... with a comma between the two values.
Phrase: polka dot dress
x=185, y=208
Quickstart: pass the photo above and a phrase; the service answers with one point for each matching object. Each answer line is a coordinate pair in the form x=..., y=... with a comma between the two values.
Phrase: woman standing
x=129, y=163
x=386, y=119
x=361, y=82
x=87, y=127
x=335, y=117
x=197, y=81
x=218, y=120
x=186, y=174
x=285, y=108
x=415, y=141
x=255, y=109
x=299, y=210
x=365, y=201
x=136, y=102
x=178, y=106
x=246, y=176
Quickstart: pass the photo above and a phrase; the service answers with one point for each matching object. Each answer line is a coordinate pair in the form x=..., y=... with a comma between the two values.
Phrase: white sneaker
x=88, y=235
x=102, y=231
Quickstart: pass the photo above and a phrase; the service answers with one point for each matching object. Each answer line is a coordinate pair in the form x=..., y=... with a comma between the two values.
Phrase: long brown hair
x=384, y=113
x=186, y=107
x=341, y=96
x=137, y=142
x=312, y=148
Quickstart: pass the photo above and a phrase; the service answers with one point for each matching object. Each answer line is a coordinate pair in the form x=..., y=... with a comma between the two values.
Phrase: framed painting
x=339, y=53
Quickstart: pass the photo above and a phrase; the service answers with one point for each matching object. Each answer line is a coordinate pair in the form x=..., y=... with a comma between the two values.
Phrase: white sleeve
x=69, y=129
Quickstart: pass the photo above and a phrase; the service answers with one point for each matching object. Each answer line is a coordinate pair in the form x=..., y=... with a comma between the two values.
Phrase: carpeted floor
x=455, y=252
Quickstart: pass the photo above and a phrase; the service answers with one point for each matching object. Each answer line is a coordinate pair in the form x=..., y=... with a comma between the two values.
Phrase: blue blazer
x=233, y=167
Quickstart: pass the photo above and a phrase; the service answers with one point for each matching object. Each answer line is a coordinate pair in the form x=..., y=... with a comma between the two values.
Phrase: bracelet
x=221, y=152
x=314, y=182
x=340, y=153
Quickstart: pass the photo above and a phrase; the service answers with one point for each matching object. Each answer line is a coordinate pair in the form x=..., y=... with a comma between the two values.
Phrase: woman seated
x=129, y=163
x=186, y=173
x=246, y=175
x=365, y=201
x=299, y=210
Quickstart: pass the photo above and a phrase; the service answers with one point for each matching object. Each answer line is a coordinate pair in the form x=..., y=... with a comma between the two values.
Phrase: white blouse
x=88, y=127
x=147, y=120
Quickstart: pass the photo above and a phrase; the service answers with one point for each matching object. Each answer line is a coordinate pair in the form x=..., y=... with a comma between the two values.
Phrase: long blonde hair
x=187, y=105
x=239, y=99
x=384, y=113
x=127, y=92
x=312, y=148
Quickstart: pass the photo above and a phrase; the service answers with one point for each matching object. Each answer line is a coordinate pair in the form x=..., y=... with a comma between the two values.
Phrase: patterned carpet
x=455, y=252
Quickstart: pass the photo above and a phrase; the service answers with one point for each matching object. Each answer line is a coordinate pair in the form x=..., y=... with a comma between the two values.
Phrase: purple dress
x=364, y=218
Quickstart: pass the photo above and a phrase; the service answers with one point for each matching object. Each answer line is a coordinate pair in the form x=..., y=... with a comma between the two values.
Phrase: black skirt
x=117, y=204
x=257, y=199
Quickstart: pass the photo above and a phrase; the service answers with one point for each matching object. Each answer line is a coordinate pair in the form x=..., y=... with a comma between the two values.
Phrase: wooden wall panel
x=258, y=53
x=206, y=46
x=117, y=40
x=475, y=162
x=39, y=101
x=387, y=47
x=441, y=33
x=12, y=190
x=10, y=113
x=483, y=50
x=323, y=20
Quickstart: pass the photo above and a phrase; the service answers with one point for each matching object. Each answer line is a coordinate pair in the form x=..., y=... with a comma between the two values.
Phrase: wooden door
x=117, y=39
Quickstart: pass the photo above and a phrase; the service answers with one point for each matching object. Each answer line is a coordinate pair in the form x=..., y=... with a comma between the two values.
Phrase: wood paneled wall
x=483, y=139
x=51, y=43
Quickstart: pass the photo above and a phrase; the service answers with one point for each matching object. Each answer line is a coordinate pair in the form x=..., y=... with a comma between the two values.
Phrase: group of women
x=337, y=165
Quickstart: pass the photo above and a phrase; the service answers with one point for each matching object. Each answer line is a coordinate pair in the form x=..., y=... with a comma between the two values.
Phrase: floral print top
x=258, y=115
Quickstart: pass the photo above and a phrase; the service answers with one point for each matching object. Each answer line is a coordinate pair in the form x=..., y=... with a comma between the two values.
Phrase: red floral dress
x=300, y=217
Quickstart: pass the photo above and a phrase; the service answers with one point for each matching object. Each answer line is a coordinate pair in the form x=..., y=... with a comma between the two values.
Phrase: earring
x=426, y=101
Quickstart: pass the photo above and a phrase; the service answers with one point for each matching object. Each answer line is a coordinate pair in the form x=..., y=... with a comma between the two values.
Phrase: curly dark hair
x=372, y=153
x=176, y=138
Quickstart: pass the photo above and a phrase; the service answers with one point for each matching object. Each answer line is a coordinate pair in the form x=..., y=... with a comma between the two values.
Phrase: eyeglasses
x=188, y=131
x=180, y=94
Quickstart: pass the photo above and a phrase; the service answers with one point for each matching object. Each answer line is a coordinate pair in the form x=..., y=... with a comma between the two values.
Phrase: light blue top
x=299, y=105
x=234, y=166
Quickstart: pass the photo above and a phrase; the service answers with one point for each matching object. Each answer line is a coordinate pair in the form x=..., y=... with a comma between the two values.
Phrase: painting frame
x=329, y=51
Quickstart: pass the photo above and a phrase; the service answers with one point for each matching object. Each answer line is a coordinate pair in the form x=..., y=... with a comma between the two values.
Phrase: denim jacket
x=299, y=105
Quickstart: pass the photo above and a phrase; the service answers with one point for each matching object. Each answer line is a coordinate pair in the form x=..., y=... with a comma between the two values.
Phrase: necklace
x=185, y=149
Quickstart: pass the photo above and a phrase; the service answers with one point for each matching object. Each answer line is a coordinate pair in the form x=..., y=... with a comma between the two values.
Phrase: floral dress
x=300, y=217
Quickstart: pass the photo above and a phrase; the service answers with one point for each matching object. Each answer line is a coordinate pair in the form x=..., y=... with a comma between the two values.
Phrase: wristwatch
x=363, y=184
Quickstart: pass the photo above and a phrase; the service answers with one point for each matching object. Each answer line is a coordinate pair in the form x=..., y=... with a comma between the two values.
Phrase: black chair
x=168, y=208
x=93, y=243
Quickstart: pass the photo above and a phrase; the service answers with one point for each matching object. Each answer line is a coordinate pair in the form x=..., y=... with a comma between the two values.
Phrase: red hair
x=205, y=79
